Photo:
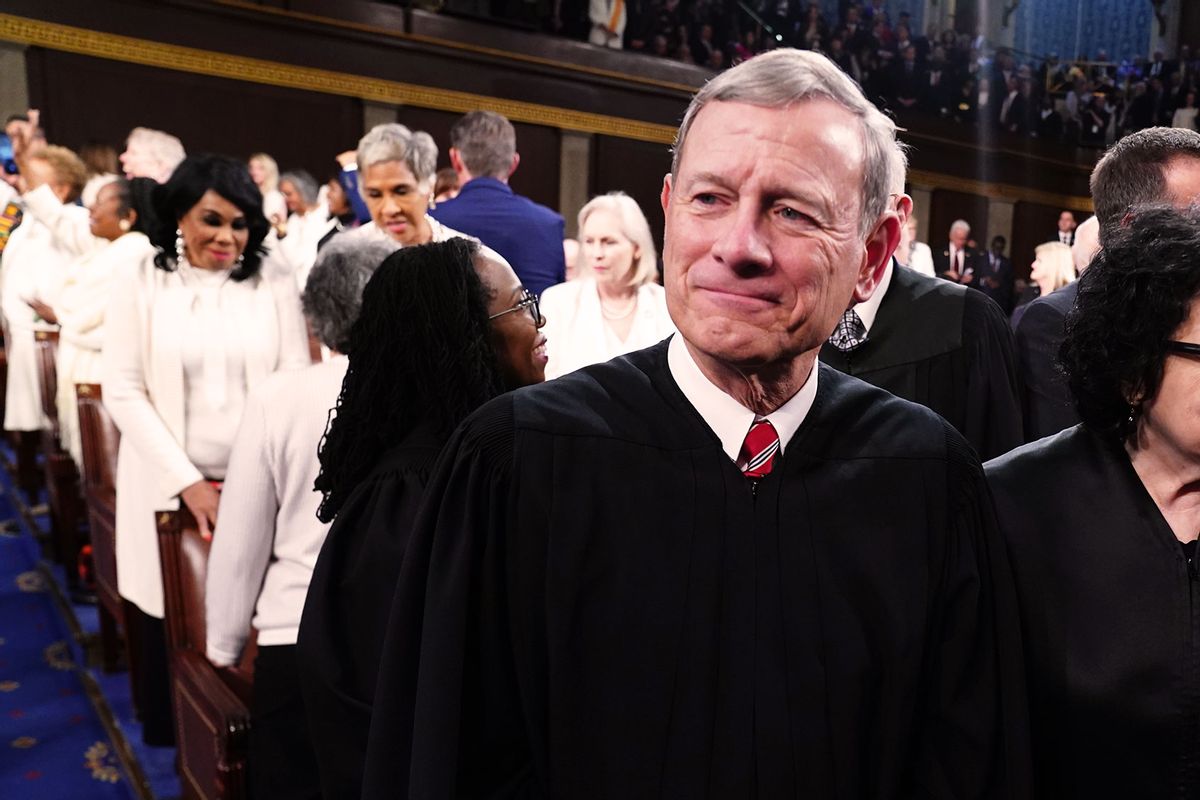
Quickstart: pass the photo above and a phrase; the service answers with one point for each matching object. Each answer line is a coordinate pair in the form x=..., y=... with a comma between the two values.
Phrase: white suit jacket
x=143, y=387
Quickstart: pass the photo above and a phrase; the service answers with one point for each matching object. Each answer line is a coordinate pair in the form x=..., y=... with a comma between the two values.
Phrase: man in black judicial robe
x=947, y=347
x=605, y=597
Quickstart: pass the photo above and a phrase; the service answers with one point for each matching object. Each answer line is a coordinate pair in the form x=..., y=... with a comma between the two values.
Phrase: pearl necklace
x=604, y=312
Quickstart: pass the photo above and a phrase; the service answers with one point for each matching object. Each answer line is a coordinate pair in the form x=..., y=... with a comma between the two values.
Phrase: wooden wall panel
x=636, y=168
x=84, y=98
x=1033, y=224
x=946, y=207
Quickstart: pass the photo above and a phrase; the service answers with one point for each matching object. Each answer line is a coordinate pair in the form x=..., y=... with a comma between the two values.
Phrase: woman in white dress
x=307, y=223
x=614, y=306
x=189, y=331
x=265, y=173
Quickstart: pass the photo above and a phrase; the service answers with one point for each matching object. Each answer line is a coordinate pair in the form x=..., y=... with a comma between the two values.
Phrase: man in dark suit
x=995, y=275
x=958, y=261
x=946, y=347
x=1066, y=228
x=1157, y=165
x=908, y=79
x=483, y=151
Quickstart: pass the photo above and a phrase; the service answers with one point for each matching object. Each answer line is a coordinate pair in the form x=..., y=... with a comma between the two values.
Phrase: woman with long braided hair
x=444, y=328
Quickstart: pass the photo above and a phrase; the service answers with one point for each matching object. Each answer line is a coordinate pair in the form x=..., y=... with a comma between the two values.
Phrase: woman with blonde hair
x=265, y=173
x=615, y=306
x=1053, y=268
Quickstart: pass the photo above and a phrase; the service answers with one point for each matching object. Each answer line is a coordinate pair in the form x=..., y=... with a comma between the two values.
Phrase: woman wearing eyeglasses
x=1101, y=522
x=444, y=327
x=615, y=306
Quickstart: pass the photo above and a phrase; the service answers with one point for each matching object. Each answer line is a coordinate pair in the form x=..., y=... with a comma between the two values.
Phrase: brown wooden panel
x=1033, y=224
x=946, y=207
x=636, y=168
x=85, y=98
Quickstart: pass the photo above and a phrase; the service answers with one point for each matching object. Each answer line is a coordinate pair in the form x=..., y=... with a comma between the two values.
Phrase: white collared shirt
x=728, y=418
x=868, y=310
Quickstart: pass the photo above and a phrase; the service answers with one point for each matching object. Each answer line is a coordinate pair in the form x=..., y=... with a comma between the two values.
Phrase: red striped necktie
x=758, y=450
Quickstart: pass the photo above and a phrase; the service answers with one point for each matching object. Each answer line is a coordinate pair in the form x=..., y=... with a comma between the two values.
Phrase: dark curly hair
x=420, y=353
x=188, y=183
x=1134, y=296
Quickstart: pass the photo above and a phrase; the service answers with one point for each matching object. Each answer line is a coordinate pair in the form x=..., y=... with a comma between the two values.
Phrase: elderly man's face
x=958, y=236
x=137, y=162
x=762, y=248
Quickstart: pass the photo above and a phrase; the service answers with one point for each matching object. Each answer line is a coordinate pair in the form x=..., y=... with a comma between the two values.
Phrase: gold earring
x=124, y=225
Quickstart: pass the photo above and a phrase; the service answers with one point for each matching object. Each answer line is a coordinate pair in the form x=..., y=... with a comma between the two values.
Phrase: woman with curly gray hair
x=268, y=535
x=397, y=168
x=1101, y=522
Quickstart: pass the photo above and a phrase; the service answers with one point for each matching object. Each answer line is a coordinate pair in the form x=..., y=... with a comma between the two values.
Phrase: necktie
x=758, y=450
x=849, y=333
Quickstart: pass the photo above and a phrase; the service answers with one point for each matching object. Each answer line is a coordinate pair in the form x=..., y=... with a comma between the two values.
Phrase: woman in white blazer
x=614, y=306
x=190, y=331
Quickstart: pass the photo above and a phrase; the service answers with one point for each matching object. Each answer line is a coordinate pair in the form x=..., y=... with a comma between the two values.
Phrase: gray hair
x=333, y=295
x=304, y=183
x=1133, y=173
x=782, y=78
x=166, y=150
x=960, y=225
x=634, y=227
x=392, y=141
x=487, y=142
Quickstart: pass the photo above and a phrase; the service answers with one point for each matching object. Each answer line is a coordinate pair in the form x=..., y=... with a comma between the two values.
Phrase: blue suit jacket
x=530, y=236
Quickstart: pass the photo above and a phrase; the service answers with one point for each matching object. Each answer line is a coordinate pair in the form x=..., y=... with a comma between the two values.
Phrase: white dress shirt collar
x=868, y=310
x=728, y=418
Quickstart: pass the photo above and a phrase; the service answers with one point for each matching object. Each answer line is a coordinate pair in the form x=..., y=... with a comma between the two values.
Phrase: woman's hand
x=44, y=311
x=202, y=499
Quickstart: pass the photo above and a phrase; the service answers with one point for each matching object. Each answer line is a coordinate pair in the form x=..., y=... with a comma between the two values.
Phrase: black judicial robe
x=1111, y=620
x=948, y=348
x=595, y=603
x=346, y=610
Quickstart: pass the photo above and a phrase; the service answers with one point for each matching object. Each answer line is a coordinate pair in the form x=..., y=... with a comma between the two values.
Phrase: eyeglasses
x=528, y=300
x=1187, y=348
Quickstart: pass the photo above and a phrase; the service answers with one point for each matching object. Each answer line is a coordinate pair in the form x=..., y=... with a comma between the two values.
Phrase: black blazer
x=941, y=261
x=1045, y=400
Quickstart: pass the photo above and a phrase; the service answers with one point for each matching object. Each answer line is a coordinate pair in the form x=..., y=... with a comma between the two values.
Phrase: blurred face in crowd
x=104, y=217
x=397, y=202
x=1066, y=222
x=258, y=171
x=516, y=335
x=138, y=162
x=1168, y=419
x=608, y=253
x=762, y=249
x=292, y=197
x=958, y=237
x=42, y=171
x=335, y=196
x=214, y=232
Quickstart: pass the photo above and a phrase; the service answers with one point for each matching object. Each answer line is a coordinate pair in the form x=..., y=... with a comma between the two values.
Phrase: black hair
x=196, y=175
x=138, y=194
x=1137, y=292
x=420, y=354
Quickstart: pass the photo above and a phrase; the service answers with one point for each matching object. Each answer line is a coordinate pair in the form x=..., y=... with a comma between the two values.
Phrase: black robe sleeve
x=975, y=742
x=345, y=613
x=993, y=405
x=443, y=637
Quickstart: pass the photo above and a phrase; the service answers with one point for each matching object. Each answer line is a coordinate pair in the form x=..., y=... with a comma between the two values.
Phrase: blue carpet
x=52, y=742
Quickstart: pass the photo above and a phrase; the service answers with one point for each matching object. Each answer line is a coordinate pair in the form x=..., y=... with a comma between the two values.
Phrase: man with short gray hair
x=483, y=151
x=715, y=567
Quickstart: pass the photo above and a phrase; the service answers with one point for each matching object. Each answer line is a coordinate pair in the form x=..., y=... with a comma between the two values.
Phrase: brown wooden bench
x=100, y=440
x=212, y=706
x=61, y=475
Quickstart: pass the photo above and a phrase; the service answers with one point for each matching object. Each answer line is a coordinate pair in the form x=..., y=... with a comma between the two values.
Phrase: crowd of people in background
x=1090, y=101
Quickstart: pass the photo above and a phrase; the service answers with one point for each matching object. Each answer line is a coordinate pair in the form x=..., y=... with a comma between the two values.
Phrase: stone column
x=574, y=176
x=922, y=198
x=1169, y=41
x=14, y=89
x=377, y=114
x=1000, y=222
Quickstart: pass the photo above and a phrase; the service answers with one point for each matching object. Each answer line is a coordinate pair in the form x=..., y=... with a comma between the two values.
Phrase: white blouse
x=577, y=334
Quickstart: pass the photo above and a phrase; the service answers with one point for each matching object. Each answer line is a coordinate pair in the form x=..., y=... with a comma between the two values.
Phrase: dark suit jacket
x=1045, y=399
x=948, y=348
x=528, y=235
x=996, y=281
x=941, y=260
